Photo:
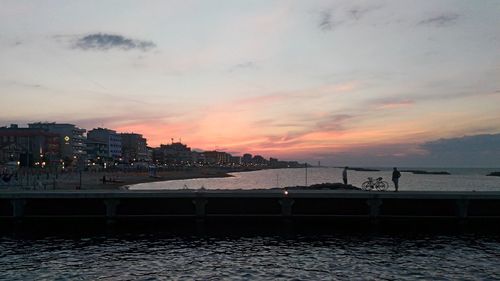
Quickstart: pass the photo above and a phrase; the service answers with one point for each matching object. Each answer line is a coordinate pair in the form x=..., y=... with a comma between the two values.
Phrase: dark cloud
x=103, y=41
x=477, y=150
x=441, y=20
x=469, y=151
x=477, y=144
x=21, y=84
x=248, y=64
x=327, y=21
x=356, y=13
x=243, y=66
x=330, y=19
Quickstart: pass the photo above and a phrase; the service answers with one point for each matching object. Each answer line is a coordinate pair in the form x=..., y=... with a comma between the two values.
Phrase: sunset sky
x=340, y=82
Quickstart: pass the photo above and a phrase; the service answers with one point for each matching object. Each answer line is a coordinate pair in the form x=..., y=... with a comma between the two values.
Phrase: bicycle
x=378, y=184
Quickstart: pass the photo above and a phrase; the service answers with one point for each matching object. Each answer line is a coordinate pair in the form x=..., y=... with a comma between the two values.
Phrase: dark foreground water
x=347, y=256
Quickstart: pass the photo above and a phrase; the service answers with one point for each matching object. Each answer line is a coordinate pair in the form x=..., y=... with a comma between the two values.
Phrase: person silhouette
x=344, y=175
x=395, y=178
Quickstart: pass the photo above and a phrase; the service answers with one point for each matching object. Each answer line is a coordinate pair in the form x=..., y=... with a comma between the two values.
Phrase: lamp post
x=306, y=174
x=27, y=162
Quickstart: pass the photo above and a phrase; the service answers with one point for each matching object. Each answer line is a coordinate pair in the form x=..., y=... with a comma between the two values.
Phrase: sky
x=341, y=82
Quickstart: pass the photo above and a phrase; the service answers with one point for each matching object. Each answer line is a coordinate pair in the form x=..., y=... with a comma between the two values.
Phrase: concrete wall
x=318, y=206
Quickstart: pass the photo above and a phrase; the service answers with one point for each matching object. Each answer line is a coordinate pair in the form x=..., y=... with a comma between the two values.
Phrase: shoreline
x=121, y=180
x=115, y=180
x=176, y=175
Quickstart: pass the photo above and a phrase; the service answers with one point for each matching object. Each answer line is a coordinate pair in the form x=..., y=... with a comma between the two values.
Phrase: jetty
x=249, y=206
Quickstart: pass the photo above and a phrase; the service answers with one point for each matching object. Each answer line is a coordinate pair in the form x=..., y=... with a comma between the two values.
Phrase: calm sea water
x=461, y=179
x=328, y=257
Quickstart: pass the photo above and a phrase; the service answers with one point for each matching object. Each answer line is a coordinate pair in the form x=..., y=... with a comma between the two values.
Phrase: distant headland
x=422, y=172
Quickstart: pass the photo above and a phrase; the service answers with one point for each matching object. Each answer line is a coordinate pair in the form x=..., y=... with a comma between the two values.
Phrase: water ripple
x=377, y=257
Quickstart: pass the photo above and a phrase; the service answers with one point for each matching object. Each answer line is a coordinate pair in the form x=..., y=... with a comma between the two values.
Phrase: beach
x=121, y=180
x=113, y=179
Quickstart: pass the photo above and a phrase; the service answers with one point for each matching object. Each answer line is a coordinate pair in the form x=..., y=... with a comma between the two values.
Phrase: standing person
x=395, y=178
x=344, y=175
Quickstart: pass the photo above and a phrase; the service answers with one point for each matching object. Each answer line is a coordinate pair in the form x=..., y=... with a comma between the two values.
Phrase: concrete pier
x=219, y=205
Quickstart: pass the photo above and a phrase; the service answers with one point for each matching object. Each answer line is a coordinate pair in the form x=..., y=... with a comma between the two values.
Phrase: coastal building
x=174, y=153
x=134, y=148
x=217, y=157
x=149, y=158
x=274, y=162
x=294, y=164
x=211, y=157
x=112, y=140
x=97, y=152
x=72, y=141
x=259, y=160
x=28, y=147
x=246, y=159
x=235, y=160
x=198, y=157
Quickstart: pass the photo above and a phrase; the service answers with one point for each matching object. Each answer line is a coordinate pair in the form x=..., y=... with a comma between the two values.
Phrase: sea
x=460, y=179
x=336, y=254
x=342, y=256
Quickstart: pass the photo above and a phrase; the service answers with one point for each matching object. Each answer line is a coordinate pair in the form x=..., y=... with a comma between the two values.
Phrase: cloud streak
x=243, y=66
x=327, y=21
x=21, y=84
x=330, y=19
x=393, y=104
x=105, y=41
x=356, y=13
x=441, y=20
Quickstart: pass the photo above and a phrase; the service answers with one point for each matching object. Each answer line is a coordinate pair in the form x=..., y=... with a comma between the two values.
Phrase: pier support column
x=200, y=211
x=286, y=206
x=286, y=211
x=462, y=208
x=199, y=205
x=374, y=205
x=18, y=208
x=111, y=207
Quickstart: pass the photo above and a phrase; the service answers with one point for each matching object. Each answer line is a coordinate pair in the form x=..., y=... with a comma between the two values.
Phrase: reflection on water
x=459, y=180
x=327, y=257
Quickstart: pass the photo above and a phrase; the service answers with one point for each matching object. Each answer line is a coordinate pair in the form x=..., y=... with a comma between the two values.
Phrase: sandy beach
x=113, y=180
x=120, y=180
